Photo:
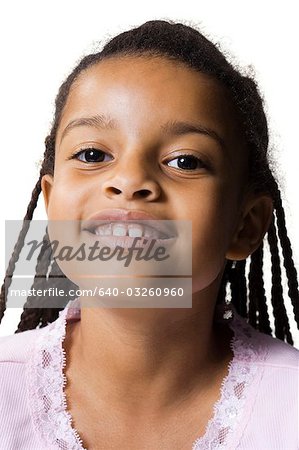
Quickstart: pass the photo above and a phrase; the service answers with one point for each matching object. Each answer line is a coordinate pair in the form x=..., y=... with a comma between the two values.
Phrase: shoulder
x=17, y=347
x=16, y=427
x=279, y=354
x=20, y=346
x=264, y=349
x=268, y=368
x=270, y=417
x=277, y=392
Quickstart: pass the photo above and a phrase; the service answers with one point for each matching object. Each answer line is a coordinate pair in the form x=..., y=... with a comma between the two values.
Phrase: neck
x=147, y=356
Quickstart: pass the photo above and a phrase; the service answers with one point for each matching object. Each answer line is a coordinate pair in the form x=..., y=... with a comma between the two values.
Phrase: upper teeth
x=131, y=229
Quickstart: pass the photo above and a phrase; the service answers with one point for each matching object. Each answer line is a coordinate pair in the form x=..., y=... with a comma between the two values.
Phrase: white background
x=42, y=41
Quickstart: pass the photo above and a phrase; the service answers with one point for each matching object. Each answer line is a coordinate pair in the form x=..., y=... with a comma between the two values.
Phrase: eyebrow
x=172, y=127
x=99, y=121
x=177, y=128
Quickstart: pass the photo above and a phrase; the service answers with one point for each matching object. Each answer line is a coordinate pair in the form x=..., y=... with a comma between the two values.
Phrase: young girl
x=159, y=123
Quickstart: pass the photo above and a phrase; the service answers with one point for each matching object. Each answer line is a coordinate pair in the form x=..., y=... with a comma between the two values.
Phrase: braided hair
x=187, y=45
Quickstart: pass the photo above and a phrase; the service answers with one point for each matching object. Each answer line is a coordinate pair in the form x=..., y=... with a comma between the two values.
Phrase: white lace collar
x=46, y=381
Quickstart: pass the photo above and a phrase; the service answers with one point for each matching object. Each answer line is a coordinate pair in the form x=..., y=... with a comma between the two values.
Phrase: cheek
x=210, y=237
x=65, y=200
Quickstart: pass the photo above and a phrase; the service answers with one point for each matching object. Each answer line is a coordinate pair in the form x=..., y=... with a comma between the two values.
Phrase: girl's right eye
x=90, y=155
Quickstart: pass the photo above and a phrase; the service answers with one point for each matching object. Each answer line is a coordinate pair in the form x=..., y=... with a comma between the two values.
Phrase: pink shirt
x=257, y=408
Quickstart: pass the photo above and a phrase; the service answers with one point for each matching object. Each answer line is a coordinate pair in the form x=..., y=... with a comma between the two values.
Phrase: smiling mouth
x=123, y=229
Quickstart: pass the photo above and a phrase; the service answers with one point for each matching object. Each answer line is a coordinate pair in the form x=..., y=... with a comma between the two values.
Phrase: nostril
x=142, y=193
x=114, y=190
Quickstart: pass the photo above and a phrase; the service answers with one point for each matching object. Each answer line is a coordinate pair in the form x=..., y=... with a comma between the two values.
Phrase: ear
x=46, y=185
x=252, y=226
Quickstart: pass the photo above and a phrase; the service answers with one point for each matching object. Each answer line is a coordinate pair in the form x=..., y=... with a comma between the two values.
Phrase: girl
x=159, y=123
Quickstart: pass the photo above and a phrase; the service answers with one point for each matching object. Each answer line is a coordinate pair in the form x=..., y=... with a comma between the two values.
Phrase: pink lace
x=46, y=382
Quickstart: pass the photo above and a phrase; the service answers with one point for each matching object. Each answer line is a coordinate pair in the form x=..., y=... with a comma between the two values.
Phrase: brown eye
x=187, y=162
x=91, y=155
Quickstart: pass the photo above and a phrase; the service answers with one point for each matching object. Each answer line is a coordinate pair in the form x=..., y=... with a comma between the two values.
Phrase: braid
x=258, y=311
x=31, y=316
x=280, y=316
x=287, y=254
x=18, y=247
x=237, y=281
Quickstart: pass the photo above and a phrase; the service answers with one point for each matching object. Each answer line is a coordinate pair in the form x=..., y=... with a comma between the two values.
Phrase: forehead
x=142, y=92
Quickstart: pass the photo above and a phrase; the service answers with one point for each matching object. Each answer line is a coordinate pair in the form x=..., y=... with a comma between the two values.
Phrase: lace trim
x=47, y=381
x=227, y=411
x=46, y=388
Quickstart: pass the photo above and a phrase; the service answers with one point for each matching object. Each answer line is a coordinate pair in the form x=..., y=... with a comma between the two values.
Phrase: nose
x=132, y=182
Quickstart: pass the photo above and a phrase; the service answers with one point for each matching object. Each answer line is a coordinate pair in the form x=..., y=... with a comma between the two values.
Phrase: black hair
x=182, y=43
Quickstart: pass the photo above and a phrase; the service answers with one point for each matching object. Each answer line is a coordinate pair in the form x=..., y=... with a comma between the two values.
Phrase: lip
x=164, y=227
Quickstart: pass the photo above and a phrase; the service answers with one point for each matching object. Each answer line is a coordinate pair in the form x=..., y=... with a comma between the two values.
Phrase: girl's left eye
x=90, y=155
x=188, y=162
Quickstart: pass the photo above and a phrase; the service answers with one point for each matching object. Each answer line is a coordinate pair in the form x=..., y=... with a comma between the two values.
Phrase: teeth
x=104, y=230
x=119, y=229
x=131, y=229
x=135, y=230
x=107, y=229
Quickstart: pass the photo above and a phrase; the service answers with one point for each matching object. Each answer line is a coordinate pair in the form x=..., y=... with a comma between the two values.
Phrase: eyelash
x=82, y=151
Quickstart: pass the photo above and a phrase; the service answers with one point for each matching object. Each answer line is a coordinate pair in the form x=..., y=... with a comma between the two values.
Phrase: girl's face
x=140, y=116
